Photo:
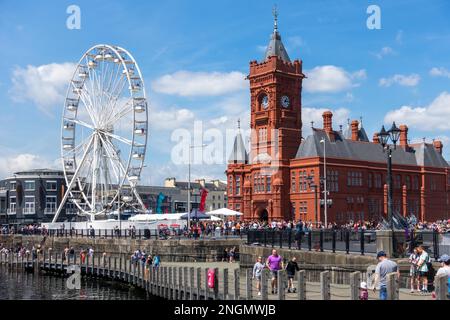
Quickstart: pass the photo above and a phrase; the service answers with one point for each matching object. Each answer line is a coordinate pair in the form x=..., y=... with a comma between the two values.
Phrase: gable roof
x=422, y=154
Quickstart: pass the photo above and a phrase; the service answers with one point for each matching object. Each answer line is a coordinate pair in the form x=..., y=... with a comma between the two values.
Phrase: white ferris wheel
x=104, y=132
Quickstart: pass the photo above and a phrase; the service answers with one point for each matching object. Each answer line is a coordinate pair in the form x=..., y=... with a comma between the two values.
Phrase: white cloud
x=43, y=85
x=331, y=79
x=400, y=79
x=440, y=72
x=340, y=116
x=25, y=161
x=186, y=83
x=385, y=51
x=429, y=118
x=170, y=119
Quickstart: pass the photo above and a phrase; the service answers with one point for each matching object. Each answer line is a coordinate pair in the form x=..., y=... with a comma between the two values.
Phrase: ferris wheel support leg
x=72, y=183
x=138, y=197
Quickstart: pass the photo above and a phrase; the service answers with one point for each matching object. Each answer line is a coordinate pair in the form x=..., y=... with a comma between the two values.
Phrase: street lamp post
x=189, y=184
x=325, y=191
x=314, y=187
x=384, y=136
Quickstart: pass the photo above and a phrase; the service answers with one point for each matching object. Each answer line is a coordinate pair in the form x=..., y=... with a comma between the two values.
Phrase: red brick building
x=275, y=179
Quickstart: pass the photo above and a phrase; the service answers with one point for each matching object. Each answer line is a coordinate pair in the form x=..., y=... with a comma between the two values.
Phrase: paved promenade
x=338, y=291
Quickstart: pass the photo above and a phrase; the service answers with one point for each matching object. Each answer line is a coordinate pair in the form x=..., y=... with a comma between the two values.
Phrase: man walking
x=384, y=267
x=274, y=263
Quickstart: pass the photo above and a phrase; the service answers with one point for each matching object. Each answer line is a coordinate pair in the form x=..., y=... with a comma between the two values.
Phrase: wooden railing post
x=199, y=282
x=248, y=282
x=325, y=285
x=441, y=287
x=392, y=286
x=225, y=284
x=265, y=276
x=301, y=282
x=191, y=283
x=281, y=281
x=237, y=289
x=206, y=284
x=355, y=280
x=216, y=283
x=185, y=282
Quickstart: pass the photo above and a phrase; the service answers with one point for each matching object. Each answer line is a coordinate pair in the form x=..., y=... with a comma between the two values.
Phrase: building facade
x=33, y=196
x=282, y=175
x=217, y=193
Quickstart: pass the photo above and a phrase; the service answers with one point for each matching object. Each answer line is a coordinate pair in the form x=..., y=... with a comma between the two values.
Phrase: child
x=363, y=293
x=257, y=271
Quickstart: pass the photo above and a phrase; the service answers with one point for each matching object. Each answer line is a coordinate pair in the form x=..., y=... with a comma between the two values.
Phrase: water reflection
x=19, y=285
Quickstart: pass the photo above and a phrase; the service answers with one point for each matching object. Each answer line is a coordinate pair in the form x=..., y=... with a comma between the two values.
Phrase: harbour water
x=19, y=285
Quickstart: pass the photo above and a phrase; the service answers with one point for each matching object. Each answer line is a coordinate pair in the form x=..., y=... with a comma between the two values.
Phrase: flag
x=203, y=194
x=161, y=197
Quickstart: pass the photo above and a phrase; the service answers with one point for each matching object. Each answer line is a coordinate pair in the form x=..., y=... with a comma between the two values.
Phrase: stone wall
x=169, y=250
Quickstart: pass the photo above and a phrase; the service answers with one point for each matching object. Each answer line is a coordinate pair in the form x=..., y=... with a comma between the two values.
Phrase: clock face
x=265, y=101
x=285, y=101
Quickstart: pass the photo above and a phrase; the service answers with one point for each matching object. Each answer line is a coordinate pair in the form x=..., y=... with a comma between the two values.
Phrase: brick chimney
x=375, y=138
x=403, y=136
x=328, y=122
x=438, y=146
x=355, y=130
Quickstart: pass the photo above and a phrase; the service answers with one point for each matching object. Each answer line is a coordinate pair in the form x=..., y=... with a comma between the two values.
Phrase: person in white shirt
x=422, y=268
x=444, y=270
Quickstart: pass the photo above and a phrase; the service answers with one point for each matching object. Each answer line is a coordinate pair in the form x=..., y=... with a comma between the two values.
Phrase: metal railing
x=361, y=241
x=160, y=234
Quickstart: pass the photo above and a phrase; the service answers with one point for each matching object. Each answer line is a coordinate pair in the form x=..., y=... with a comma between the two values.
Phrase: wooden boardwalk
x=188, y=281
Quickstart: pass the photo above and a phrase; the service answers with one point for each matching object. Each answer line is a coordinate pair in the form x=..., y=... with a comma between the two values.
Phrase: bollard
x=325, y=285
x=281, y=281
x=115, y=267
x=191, y=282
x=237, y=291
x=109, y=267
x=441, y=287
x=355, y=280
x=199, y=282
x=301, y=283
x=248, y=282
x=225, y=284
x=265, y=276
x=392, y=286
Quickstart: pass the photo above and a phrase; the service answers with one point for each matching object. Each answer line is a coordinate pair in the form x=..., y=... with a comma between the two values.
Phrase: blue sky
x=194, y=55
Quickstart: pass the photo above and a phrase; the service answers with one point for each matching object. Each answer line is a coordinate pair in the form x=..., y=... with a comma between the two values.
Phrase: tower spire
x=275, y=18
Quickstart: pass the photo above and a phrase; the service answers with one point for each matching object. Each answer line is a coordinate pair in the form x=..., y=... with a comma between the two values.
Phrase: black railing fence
x=136, y=233
x=349, y=241
x=362, y=241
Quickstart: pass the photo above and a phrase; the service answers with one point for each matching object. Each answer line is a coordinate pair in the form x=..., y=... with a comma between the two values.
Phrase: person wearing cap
x=384, y=267
x=445, y=270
